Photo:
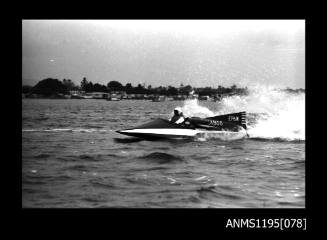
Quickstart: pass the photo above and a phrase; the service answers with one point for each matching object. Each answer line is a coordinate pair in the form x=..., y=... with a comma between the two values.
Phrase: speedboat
x=227, y=127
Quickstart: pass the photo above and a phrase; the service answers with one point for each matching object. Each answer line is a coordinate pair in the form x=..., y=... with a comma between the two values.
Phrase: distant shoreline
x=119, y=96
x=51, y=88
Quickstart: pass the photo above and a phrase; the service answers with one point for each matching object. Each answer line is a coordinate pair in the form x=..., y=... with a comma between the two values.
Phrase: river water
x=72, y=157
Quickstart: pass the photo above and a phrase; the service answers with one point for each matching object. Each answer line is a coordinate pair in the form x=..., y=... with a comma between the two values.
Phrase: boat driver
x=178, y=117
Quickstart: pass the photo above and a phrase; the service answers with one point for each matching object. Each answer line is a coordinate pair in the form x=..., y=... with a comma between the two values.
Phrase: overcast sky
x=166, y=52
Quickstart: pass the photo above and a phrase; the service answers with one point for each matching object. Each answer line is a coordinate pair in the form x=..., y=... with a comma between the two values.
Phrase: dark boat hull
x=163, y=129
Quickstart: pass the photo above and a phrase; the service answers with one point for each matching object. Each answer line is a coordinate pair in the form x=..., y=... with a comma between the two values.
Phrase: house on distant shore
x=88, y=95
x=117, y=95
x=140, y=96
x=159, y=98
x=99, y=95
x=76, y=92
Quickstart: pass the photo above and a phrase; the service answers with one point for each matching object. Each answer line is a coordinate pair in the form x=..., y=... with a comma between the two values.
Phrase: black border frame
x=156, y=219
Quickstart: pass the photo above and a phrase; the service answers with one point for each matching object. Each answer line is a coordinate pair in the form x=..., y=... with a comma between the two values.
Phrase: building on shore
x=185, y=97
x=117, y=96
x=99, y=95
x=90, y=95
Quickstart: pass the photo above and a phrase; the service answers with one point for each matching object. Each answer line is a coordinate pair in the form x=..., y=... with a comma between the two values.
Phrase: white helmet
x=178, y=109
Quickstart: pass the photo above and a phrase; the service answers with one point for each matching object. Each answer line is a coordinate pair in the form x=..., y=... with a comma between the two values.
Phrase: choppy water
x=73, y=158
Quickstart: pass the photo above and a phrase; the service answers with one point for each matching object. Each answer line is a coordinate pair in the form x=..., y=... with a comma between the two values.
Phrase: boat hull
x=163, y=129
x=172, y=133
x=183, y=134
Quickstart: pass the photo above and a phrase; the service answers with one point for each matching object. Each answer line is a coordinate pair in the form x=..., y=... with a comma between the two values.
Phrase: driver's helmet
x=178, y=110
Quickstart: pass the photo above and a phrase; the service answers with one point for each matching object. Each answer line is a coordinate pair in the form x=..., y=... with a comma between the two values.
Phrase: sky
x=166, y=52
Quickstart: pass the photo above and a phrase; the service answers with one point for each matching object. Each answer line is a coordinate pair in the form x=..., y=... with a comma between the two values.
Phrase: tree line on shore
x=51, y=86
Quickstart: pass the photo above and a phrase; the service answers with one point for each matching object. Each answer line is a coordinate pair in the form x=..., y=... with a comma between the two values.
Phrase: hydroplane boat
x=226, y=127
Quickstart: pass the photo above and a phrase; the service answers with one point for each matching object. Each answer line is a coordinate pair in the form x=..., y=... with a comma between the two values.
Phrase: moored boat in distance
x=159, y=99
x=205, y=98
x=76, y=96
x=114, y=97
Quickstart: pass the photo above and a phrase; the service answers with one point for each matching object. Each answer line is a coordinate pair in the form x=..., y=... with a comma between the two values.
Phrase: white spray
x=279, y=114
